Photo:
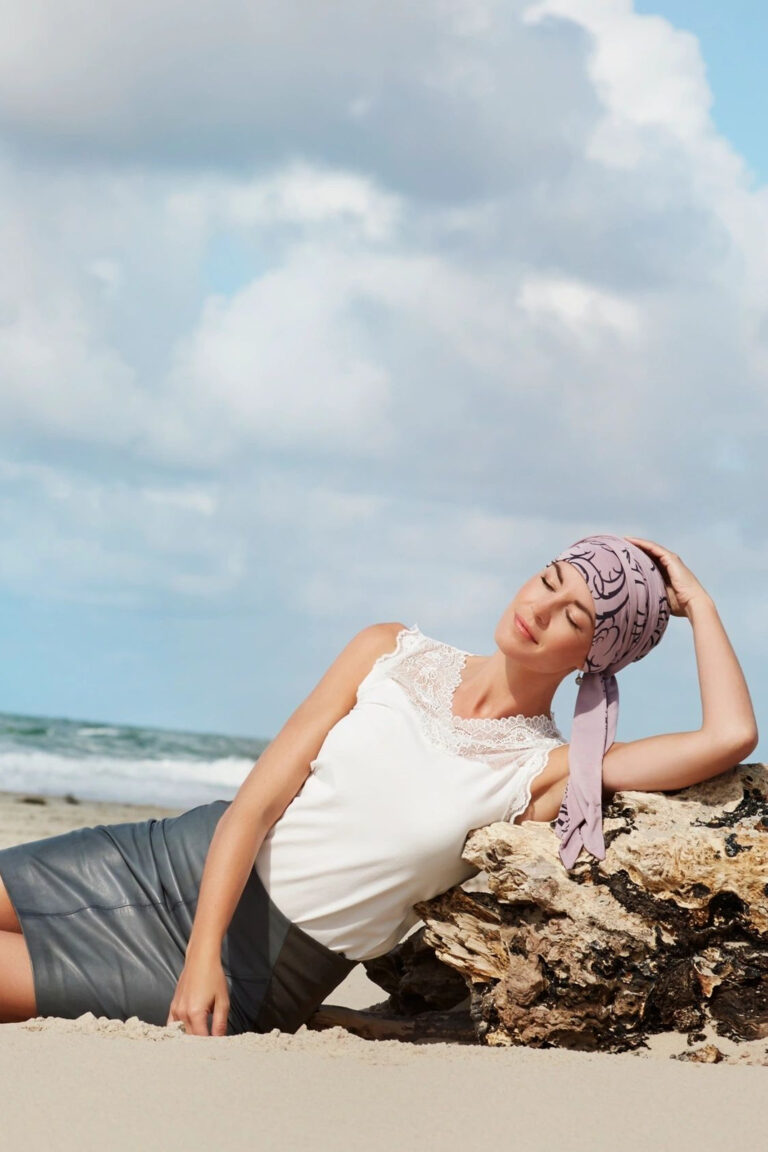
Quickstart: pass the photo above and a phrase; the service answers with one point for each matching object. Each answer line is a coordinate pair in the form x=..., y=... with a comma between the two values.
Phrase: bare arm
x=674, y=760
x=274, y=780
x=728, y=729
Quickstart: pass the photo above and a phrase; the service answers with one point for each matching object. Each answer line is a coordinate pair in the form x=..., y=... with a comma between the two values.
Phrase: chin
x=511, y=643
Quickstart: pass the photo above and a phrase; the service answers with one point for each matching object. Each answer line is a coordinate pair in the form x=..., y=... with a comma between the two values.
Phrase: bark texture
x=668, y=932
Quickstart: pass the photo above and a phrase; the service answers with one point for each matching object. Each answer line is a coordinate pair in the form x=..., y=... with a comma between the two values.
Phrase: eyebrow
x=556, y=566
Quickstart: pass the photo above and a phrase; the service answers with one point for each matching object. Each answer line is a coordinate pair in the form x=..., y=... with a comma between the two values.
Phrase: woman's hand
x=680, y=583
x=202, y=989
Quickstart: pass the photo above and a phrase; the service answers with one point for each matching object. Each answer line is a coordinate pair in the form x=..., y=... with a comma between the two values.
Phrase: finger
x=651, y=545
x=220, y=1015
x=656, y=550
x=197, y=1023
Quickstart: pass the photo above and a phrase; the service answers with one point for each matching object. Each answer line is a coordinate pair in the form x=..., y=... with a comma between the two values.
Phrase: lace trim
x=401, y=641
x=401, y=645
x=430, y=675
x=517, y=806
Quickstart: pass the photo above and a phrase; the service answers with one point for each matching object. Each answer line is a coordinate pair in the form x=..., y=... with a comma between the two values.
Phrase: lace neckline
x=513, y=720
x=430, y=672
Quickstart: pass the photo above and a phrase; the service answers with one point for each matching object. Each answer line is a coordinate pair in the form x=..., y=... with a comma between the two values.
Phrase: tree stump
x=668, y=932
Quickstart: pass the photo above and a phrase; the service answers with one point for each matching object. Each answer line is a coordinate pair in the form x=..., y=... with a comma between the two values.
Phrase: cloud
x=279, y=363
x=372, y=287
x=356, y=84
x=302, y=194
x=648, y=74
x=109, y=542
x=54, y=371
x=584, y=310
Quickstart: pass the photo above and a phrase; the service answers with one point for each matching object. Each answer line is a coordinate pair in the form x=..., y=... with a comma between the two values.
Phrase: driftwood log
x=668, y=932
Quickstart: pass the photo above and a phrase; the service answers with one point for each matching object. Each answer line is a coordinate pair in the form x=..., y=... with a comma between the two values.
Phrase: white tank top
x=381, y=820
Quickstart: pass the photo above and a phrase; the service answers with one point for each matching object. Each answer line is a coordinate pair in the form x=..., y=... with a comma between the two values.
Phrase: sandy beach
x=96, y=1083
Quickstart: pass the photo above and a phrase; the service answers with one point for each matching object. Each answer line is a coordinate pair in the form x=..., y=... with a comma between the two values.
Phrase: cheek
x=580, y=647
x=577, y=643
x=586, y=645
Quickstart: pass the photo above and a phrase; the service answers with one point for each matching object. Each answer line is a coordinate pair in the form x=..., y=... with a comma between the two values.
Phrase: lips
x=522, y=628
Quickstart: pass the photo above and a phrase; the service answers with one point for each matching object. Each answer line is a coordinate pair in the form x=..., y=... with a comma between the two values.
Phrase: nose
x=541, y=614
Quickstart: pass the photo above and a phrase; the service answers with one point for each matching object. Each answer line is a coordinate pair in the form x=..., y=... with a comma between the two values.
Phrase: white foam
x=168, y=781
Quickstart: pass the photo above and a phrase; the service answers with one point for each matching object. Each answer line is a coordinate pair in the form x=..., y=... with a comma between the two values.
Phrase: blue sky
x=733, y=39
x=365, y=313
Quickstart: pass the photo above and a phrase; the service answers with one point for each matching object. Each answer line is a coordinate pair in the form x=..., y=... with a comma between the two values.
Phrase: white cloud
x=107, y=272
x=648, y=73
x=282, y=363
x=301, y=194
x=476, y=255
x=584, y=310
x=55, y=370
x=194, y=499
x=419, y=95
x=106, y=541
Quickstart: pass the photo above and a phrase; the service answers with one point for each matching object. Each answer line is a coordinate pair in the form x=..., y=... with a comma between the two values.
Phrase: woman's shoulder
x=392, y=639
x=381, y=639
x=386, y=631
x=382, y=646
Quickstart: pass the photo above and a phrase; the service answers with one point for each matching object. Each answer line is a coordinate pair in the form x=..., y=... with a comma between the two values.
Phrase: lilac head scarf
x=632, y=615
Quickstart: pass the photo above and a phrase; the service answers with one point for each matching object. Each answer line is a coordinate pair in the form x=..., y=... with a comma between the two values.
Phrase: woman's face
x=557, y=608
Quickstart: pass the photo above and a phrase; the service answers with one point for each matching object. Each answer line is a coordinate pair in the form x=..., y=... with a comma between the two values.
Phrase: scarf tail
x=580, y=819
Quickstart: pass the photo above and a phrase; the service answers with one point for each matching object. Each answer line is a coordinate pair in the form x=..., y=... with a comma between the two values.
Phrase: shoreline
x=34, y=815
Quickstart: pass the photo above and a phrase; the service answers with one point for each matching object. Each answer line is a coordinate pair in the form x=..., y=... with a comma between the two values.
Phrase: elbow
x=743, y=743
x=751, y=742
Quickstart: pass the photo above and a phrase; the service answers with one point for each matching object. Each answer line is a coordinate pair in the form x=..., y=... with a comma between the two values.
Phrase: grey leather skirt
x=107, y=911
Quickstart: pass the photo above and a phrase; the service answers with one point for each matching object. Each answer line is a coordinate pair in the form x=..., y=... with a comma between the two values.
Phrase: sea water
x=97, y=761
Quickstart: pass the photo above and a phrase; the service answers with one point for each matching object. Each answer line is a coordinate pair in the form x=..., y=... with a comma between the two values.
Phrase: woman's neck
x=493, y=687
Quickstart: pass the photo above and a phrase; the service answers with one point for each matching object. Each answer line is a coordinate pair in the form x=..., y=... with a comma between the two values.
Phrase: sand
x=96, y=1083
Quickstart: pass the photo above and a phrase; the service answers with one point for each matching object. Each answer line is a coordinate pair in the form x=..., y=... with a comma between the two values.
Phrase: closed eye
x=568, y=618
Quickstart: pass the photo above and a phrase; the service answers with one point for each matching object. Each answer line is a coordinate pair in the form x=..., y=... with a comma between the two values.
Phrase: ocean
x=96, y=761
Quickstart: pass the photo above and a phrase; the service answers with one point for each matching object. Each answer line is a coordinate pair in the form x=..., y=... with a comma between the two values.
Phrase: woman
x=245, y=915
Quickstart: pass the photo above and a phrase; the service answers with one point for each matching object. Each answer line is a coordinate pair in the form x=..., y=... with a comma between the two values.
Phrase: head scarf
x=632, y=615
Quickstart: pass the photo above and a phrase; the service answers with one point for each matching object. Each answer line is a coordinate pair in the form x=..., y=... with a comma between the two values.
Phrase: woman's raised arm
x=272, y=783
x=728, y=729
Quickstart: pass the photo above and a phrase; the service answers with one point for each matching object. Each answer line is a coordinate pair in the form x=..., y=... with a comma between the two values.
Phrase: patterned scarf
x=632, y=615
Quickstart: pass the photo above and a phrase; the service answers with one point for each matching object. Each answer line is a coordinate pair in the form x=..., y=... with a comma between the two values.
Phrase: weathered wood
x=670, y=931
x=415, y=979
x=370, y=1024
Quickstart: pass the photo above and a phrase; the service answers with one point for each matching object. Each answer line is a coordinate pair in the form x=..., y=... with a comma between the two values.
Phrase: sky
x=317, y=315
x=732, y=41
